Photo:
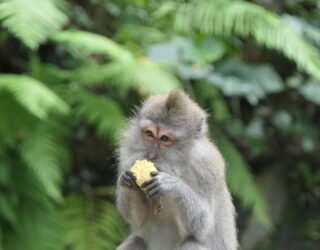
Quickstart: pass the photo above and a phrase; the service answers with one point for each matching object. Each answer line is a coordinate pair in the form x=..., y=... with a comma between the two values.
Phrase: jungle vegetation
x=72, y=71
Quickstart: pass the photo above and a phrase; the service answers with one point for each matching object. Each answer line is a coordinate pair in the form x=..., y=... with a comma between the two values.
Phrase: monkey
x=197, y=212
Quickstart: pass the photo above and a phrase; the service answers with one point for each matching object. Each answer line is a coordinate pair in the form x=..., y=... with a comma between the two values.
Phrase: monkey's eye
x=149, y=133
x=165, y=138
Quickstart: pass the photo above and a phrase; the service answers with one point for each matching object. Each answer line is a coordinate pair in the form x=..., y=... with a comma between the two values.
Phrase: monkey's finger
x=126, y=177
x=148, y=182
x=126, y=183
x=130, y=174
x=151, y=187
x=154, y=173
x=154, y=192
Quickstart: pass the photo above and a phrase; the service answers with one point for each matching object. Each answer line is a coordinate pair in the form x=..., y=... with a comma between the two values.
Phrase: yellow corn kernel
x=141, y=170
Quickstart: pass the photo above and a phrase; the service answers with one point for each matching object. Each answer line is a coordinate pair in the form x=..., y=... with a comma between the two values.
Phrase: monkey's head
x=167, y=125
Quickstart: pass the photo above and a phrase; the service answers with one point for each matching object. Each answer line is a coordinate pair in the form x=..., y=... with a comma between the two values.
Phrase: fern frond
x=32, y=21
x=102, y=112
x=46, y=155
x=241, y=181
x=7, y=212
x=86, y=43
x=142, y=74
x=14, y=120
x=111, y=226
x=37, y=217
x=92, y=225
x=33, y=95
x=227, y=17
x=38, y=229
x=125, y=69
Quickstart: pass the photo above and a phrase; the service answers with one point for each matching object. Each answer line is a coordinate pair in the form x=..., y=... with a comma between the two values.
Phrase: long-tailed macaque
x=196, y=207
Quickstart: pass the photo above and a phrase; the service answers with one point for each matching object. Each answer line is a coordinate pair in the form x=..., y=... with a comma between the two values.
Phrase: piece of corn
x=141, y=170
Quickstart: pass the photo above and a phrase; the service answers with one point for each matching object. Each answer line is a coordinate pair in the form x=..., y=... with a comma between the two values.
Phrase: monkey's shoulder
x=207, y=154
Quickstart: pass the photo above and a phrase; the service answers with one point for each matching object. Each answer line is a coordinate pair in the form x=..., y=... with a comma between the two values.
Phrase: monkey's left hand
x=159, y=184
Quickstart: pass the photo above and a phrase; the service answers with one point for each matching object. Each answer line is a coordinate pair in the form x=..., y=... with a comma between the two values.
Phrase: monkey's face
x=167, y=127
x=158, y=140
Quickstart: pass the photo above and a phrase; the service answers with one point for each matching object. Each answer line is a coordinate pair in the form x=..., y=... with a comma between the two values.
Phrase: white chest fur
x=166, y=229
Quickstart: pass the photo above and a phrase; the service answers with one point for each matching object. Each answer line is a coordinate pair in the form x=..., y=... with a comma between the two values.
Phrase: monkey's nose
x=152, y=157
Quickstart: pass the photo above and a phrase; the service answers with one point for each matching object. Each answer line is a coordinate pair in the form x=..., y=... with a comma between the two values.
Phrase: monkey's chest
x=164, y=230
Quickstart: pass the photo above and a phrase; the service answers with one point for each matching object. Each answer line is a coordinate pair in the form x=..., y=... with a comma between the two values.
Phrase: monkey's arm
x=132, y=205
x=196, y=212
x=131, y=201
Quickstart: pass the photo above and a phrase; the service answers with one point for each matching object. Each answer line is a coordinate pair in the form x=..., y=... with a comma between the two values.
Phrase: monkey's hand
x=128, y=180
x=159, y=184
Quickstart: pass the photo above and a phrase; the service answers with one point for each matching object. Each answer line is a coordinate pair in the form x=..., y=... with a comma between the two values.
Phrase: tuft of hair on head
x=176, y=100
x=184, y=111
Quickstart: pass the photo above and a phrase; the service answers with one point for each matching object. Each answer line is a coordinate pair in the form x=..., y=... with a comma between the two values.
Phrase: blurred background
x=71, y=72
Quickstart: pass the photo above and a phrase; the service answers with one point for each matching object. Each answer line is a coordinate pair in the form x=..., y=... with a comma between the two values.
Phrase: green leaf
x=180, y=50
x=6, y=209
x=46, y=155
x=125, y=69
x=92, y=224
x=254, y=82
x=303, y=28
x=164, y=9
x=85, y=43
x=33, y=95
x=32, y=21
x=1, y=240
x=241, y=181
x=4, y=173
x=311, y=91
x=38, y=229
x=102, y=112
x=225, y=17
x=14, y=120
x=142, y=74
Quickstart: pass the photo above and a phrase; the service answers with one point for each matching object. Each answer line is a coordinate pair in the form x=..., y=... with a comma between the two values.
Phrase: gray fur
x=197, y=211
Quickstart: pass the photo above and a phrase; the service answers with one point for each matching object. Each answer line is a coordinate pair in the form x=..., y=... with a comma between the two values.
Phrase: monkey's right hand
x=128, y=180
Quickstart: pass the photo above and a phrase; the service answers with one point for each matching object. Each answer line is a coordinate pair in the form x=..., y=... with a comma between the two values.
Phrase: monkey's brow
x=148, y=120
x=145, y=121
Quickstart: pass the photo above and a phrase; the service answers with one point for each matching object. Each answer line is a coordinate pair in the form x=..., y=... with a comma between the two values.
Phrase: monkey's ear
x=202, y=127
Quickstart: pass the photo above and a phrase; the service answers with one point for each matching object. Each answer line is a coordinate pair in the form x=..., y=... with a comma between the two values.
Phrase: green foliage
x=241, y=181
x=32, y=21
x=251, y=81
x=311, y=91
x=6, y=210
x=227, y=17
x=125, y=70
x=44, y=144
x=92, y=224
x=35, y=216
x=38, y=229
x=65, y=95
x=33, y=95
x=139, y=74
x=85, y=43
x=102, y=112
